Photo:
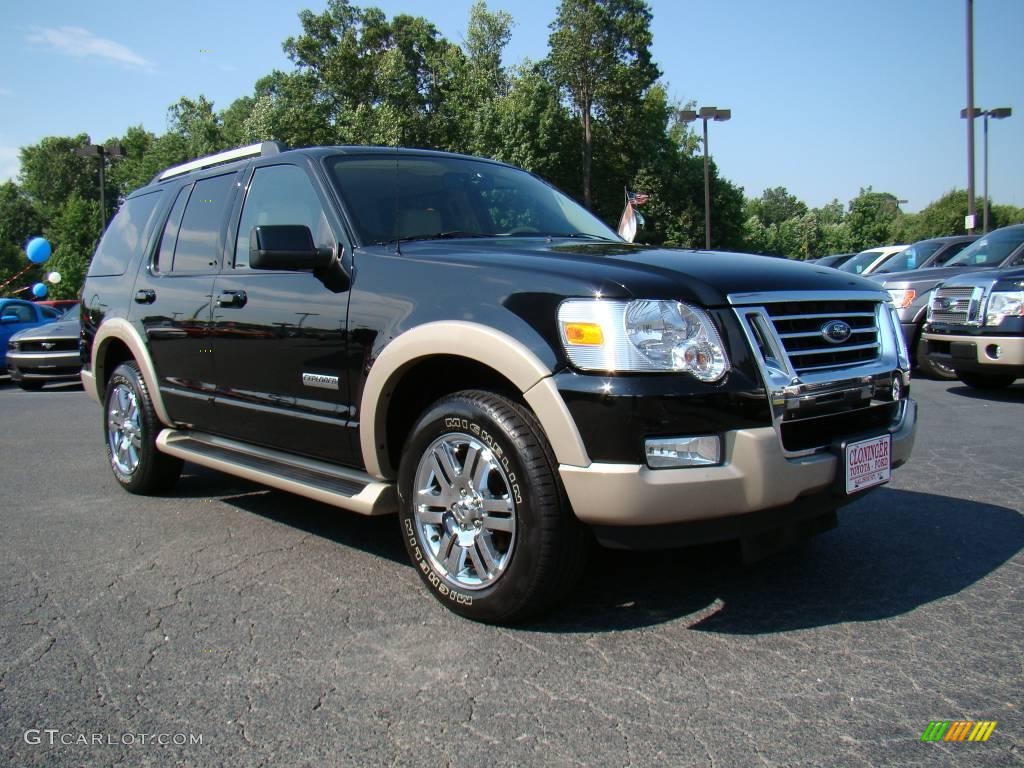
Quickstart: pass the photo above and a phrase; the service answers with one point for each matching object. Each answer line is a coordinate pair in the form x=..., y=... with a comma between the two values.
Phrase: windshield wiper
x=585, y=236
x=453, y=235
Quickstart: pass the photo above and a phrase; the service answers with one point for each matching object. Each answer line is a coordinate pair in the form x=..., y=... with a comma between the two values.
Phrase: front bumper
x=977, y=353
x=44, y=366
x=756, y=475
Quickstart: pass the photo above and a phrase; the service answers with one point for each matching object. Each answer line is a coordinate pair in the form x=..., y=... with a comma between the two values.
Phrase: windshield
x=418, y=197
x=70, y=313
x=991, y=250
x=912, y=258
x=860, y=262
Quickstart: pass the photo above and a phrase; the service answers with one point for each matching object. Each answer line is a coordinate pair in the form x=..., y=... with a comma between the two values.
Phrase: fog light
x=993, y=351
x=664, y=452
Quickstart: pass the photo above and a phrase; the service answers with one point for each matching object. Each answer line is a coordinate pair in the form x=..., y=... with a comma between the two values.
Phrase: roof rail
x=264, y=149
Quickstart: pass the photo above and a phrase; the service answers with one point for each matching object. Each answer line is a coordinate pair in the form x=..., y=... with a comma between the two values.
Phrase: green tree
x=197, y=123
x=73, y=235
x=19, y=219
x=51, y=172
x=600, y=57
x=874, y=219
x=775, y=206
x=533, y=130
x=232, y=121
x=378, y=81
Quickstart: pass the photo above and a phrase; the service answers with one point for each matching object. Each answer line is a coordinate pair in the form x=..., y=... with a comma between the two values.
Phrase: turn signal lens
x=586, y=334
x=902, y=297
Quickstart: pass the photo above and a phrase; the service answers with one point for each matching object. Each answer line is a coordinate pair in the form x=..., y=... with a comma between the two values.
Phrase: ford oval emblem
x=836, y=331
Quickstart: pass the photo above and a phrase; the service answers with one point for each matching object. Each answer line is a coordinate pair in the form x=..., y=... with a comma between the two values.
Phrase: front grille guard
x=790, y=392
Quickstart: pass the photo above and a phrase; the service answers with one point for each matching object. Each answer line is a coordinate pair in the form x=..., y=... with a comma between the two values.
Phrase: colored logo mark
x=958, y=730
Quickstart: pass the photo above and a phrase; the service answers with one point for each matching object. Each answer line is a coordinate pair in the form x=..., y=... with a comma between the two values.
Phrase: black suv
x=454, y=340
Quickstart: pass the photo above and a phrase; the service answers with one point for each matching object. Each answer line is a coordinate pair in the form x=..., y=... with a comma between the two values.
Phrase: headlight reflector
x=643, y=335
x=1004, y=304
x=902, y=297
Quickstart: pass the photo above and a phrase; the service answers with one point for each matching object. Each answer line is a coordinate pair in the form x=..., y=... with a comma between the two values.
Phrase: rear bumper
x=755, y=476
x=981, y=354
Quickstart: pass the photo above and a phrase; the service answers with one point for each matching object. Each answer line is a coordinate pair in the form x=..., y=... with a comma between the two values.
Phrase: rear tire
x=130, y=428
x=930, y=368
x=986, y=380
x=483, y=513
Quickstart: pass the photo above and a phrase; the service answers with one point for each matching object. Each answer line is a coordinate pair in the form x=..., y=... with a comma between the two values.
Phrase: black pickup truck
x=454, y=340
x=976, y=327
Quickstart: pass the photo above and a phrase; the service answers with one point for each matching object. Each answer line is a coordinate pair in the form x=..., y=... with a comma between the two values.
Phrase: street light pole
x=101, y=152
x=707, y=190
x=996, y=114
x=705, y=114
x=971, y=211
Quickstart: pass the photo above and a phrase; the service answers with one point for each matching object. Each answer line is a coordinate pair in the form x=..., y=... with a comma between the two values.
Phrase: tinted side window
x=23, y=312
x=281, y=194
x=200, y=236
x=165, y=253
x=127, y=233
x=949, y=253
x=49, y=314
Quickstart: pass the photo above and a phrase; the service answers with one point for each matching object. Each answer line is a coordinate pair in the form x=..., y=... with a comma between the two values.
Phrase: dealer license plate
x=868, y=463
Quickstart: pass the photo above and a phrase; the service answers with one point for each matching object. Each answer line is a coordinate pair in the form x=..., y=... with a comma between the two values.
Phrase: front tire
x=929, y=367
x=482, y=510
x=130, y=427
x=986, y=380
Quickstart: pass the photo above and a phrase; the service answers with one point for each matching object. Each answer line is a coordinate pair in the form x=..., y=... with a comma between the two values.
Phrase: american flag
x=637, y=198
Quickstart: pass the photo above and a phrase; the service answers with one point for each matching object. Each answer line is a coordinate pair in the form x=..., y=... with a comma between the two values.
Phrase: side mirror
x=286, y=247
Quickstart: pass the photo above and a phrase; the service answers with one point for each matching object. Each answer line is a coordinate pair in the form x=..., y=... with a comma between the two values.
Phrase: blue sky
x=827, y=97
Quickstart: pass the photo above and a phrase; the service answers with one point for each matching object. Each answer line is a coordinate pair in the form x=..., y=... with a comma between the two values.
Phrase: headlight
x=602, y=335
x=902, y=297
x=901, y=343
x=1004, y=304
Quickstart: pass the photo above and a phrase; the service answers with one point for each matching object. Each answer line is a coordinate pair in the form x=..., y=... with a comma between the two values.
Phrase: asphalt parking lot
x=285, y=633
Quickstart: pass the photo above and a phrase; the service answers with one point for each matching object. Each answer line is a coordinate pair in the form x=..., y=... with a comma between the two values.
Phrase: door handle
x=231, y=299
x=145, y=296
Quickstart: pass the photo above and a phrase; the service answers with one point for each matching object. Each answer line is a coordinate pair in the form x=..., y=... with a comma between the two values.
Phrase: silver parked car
x=46, y=353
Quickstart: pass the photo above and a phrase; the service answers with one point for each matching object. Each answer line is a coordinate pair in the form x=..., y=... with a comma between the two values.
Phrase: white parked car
x=866, y=262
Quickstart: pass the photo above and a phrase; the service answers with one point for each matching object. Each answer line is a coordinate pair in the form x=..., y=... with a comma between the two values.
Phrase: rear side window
x=949, y=253
x=200, y=236
x=126, y=235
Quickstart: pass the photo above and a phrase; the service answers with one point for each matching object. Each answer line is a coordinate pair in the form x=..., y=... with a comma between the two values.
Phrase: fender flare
x=122, y=330
x=493, y=348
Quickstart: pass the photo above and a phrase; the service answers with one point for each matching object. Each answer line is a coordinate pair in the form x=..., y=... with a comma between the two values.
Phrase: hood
x=1011, y=278
x=705, y=277
x=923, y=277
x=59, y=329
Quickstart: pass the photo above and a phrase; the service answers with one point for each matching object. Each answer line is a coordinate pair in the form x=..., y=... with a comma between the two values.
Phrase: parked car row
x=913, y=290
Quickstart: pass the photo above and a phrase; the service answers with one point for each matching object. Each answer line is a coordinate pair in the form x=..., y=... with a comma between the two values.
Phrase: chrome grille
x=800, y=327
x=48, y=345
x=955, y=304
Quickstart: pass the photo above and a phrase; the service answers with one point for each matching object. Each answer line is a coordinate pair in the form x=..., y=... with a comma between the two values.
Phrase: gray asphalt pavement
x=281, y=632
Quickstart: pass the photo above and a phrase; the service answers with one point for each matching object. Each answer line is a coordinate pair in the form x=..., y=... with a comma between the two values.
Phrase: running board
x=338, y=486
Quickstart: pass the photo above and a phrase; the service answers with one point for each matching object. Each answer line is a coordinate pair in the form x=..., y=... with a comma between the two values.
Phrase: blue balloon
x=38, y=250
x=39, y=290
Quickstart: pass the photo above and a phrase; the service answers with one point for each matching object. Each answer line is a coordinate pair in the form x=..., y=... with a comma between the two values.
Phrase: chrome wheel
x=464, y=511
x=124, y=429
